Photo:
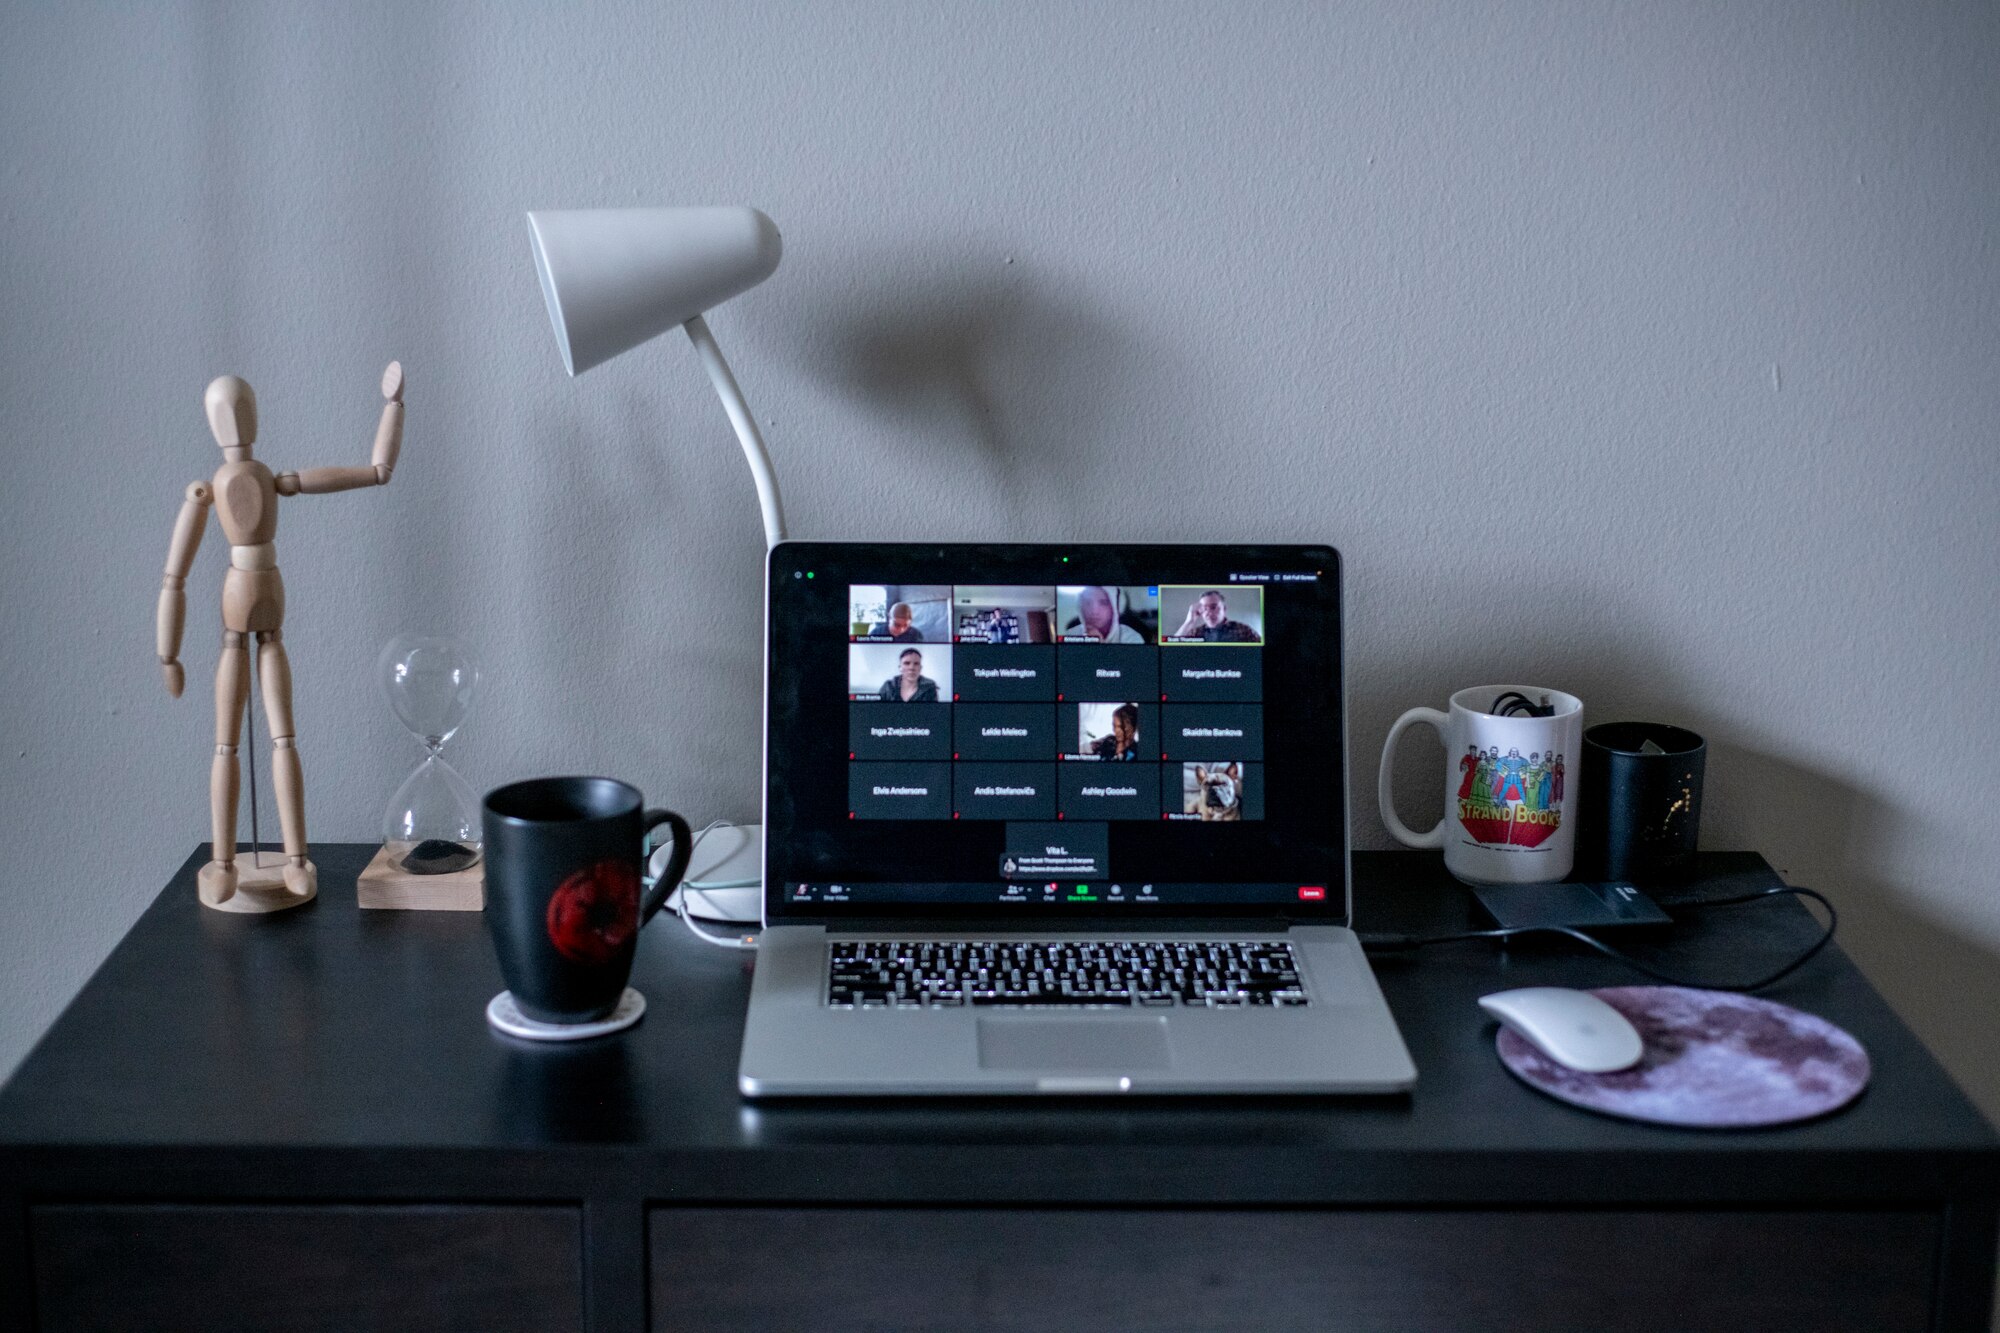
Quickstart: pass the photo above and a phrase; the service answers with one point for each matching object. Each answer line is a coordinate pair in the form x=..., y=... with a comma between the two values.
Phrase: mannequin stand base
x=258, y=888
x=386, y=884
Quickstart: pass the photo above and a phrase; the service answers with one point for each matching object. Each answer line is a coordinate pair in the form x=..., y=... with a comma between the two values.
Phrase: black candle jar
x=1641, y=802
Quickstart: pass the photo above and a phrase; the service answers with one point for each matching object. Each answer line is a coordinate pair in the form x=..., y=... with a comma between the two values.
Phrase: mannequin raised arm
x=388, y=443
x=172, y=614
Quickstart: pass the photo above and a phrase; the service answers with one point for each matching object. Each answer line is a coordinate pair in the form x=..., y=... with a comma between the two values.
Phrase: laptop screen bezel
x=837, y=562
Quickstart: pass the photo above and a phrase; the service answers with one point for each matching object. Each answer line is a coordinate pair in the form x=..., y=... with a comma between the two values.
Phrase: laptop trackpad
x=1110, y=1044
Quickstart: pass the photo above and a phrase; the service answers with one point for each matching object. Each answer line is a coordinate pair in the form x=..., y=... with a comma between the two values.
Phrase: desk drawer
x=302, y=1268
x=1110, y=1270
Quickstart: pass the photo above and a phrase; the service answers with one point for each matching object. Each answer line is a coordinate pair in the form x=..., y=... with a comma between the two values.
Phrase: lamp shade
x=614, y=277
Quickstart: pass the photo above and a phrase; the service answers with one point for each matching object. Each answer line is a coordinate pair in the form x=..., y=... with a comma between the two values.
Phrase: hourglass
x=430, y=855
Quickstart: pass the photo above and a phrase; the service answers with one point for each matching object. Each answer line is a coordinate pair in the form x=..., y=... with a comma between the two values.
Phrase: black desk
x=303, y=1122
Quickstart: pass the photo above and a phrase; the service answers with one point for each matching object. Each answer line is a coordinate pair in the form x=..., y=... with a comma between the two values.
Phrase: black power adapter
x=1578, y=906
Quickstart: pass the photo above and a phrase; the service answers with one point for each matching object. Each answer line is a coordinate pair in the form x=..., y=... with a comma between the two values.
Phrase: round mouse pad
x=505, y=1015
x=1714, y=1060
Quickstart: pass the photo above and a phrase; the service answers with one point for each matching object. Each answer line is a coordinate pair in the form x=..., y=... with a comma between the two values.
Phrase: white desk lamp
x=618, y=277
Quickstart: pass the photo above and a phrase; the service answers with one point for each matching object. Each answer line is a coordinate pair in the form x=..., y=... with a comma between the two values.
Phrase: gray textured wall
x=1642, y=350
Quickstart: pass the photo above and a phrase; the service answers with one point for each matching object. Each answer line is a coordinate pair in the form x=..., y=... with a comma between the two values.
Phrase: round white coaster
x=504, y=1014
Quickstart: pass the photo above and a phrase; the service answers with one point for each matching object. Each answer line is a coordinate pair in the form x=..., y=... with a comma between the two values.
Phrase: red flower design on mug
x=595, y=912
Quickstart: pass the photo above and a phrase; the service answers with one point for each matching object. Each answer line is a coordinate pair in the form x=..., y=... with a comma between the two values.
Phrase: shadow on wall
x=944, y=360
x=1014, y=390
x=1822, y=832
x=1599, y=656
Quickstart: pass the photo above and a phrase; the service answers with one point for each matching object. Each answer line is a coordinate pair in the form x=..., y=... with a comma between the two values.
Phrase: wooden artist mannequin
x=245, y=495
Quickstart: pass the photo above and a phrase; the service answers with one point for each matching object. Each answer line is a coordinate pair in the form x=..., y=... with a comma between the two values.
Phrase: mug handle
x=677, y=863
x=1429, y=717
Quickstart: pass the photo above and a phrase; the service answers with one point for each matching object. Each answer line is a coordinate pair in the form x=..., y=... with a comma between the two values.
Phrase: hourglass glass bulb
x=431, y=825
x=429, y=682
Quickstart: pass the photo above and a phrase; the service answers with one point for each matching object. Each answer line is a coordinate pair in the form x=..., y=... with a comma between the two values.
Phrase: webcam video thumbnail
x=1113, y=731
x=1233, y=613
x=899, y=612
x=914, y=673
x=1220, y=791
x=999, y=613
x=1096, y=613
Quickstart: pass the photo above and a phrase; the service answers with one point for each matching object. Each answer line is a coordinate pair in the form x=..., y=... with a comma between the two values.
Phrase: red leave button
x=1312, y=893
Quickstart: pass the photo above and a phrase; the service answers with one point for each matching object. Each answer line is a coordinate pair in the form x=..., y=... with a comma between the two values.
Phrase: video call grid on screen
x=997, y=747
x=1056, y=702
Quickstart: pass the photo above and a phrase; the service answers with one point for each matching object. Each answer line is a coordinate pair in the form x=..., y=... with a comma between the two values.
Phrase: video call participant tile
x=1108, y=671
x=1004, y=731
x=900, y=672
x=1212, y=790
x=1004, y=791
x=1211, y=673
x=899, y=612
x=1119, y=733
x=914, y=731
x=1191, y=730
x=899, y=791
x=1219, y=613
x=1004, y=673
x=1109, y=791
x=984, y=613
x=1104, y=613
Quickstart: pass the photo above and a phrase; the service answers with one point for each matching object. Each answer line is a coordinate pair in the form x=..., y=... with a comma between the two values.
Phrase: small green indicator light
x=1065, y=560
x=809, y=573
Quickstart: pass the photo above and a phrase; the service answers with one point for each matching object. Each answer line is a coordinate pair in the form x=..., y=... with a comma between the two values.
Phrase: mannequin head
x=232, y=412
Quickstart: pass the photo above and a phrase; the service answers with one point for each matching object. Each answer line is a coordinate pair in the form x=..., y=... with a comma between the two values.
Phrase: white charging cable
x=682, y=904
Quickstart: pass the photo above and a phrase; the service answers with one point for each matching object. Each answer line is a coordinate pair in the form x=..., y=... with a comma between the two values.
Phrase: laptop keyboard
x=1058, y=974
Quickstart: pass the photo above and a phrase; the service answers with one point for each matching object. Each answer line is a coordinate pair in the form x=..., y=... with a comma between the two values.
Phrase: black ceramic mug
x=565, y=858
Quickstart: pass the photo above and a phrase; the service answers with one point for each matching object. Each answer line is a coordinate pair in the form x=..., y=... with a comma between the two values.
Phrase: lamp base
x=725, y=876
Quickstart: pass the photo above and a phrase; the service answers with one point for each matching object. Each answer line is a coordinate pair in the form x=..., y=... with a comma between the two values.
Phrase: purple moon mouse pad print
x=1714, y=1060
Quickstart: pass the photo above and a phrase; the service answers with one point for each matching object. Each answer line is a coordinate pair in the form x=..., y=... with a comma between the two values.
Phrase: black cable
x=1516, y=704
x=1410, y=943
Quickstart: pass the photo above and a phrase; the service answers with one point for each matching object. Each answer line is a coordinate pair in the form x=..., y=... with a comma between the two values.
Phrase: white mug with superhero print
x=1509, y=785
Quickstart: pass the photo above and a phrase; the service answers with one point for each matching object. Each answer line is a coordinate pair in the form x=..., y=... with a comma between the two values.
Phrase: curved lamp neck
x=747, y=434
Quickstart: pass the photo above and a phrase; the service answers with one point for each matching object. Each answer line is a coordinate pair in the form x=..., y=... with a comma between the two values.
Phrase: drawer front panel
x=1108, y=1270
x=306, y=1268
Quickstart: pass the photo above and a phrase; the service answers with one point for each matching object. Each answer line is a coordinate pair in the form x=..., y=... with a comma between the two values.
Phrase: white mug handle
x=1429, y=717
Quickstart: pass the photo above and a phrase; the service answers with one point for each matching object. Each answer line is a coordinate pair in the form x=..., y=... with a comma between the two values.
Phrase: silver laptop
x=1058, y=820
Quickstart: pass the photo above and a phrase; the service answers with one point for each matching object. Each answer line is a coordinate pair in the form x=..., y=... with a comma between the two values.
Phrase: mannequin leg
x=287, y=775
x=217, y=882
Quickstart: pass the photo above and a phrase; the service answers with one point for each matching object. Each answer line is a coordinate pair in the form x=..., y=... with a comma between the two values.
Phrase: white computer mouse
x=1573, y=1028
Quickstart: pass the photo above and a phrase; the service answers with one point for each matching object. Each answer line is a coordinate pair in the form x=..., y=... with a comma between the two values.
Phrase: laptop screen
x=1054, y=731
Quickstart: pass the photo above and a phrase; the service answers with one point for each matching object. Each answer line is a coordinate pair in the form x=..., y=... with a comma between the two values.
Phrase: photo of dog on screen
x=1213, y=791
